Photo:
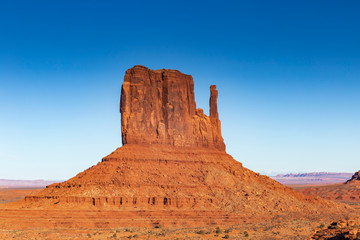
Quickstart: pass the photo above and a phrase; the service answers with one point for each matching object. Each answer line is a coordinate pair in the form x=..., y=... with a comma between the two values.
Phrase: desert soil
x=112, y=224
x=87, y=224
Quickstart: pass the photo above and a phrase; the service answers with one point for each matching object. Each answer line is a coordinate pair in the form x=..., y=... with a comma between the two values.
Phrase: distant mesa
x=313, y=174
x=348, y=191
x=312, y=178
x=9, y=183
x=173, y=157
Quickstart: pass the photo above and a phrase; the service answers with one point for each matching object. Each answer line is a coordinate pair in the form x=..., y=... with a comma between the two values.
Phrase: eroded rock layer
x=168, y=177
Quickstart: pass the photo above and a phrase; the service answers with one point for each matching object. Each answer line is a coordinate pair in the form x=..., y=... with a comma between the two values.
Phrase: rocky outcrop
x=340, y=230
x=355, y=179
x=158, y=107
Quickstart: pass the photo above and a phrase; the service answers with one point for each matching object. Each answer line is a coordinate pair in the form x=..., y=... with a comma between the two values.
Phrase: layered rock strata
x=150, y=177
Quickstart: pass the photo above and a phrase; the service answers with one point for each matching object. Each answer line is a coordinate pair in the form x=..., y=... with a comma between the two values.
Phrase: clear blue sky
x=288, y=75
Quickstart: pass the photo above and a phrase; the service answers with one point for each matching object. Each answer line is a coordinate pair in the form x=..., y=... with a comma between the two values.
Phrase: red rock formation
x=355, y=179
x=344, y=229
x=173, y=158
x=158, y=107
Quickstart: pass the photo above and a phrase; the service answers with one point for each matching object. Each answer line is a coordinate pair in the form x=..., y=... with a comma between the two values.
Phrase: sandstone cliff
x=158, y=107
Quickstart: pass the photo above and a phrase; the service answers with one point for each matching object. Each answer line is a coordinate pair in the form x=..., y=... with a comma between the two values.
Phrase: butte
x=173, y=158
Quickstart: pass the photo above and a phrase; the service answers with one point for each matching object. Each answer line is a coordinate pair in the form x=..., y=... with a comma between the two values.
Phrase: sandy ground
x=111, y=224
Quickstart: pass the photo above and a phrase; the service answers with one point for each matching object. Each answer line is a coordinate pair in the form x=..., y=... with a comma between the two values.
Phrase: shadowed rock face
x=158, y=107
x=355, y=179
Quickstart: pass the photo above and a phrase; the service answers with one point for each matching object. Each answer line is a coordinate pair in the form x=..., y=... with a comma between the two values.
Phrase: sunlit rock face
x=158, y=107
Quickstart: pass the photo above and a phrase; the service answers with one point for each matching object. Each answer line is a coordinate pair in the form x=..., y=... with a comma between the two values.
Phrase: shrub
x=89, y=235
x=200, y=232
x=218, y=230
x=246, y=234
x=322, y=226
x=226, y=236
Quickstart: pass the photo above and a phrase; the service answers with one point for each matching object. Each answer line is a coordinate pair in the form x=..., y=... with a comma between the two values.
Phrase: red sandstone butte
x=158, y=107
x=173, y=158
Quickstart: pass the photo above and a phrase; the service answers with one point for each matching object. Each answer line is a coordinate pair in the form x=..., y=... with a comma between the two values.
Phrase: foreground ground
x=111, y=224
x=157, y=224
x=46, y=224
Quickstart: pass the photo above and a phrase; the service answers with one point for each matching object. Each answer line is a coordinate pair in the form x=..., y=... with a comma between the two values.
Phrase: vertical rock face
x=158, y=107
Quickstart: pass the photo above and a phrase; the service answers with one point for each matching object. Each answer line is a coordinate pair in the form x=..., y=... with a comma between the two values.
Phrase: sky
x=287, y=72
